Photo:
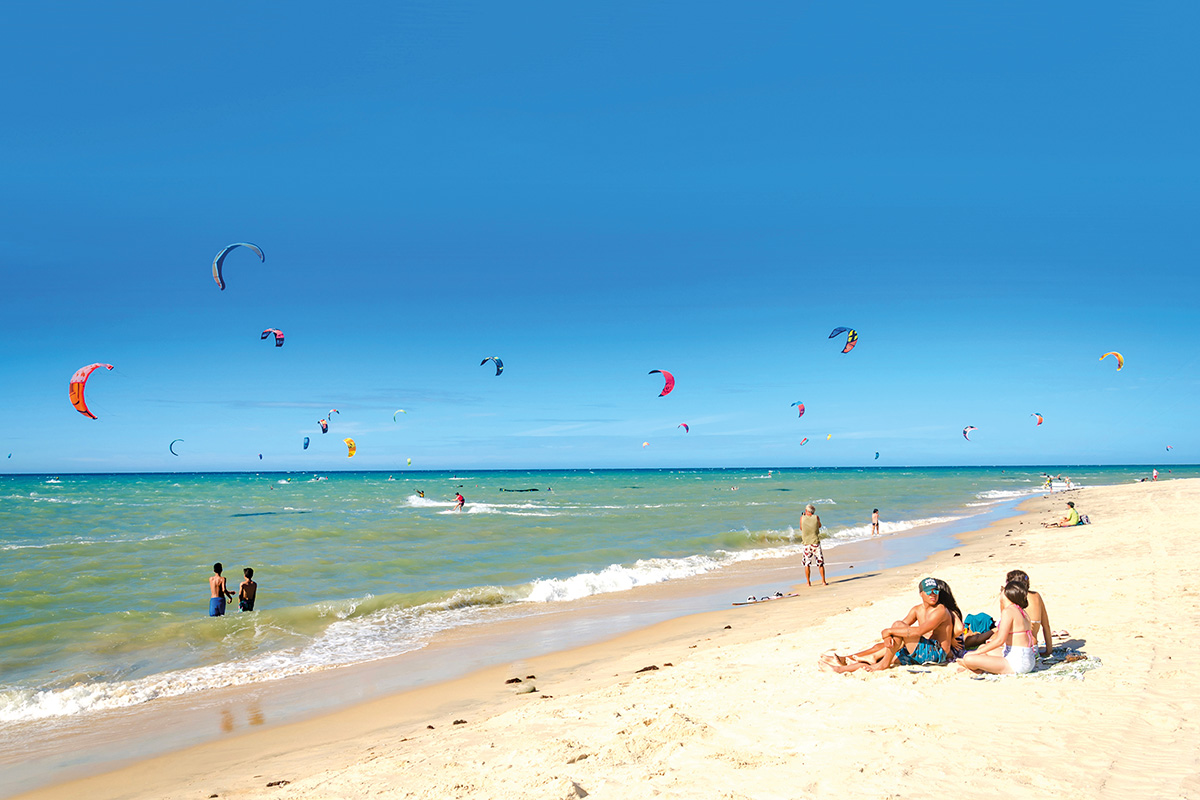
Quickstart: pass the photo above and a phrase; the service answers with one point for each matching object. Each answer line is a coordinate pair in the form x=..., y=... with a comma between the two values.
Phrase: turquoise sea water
x=106, y=595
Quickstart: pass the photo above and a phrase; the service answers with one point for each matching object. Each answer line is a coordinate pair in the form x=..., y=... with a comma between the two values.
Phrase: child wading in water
x=247, y=591
x=1013, y=632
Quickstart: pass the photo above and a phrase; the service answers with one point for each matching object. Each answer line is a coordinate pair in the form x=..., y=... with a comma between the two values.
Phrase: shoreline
x=659, y=614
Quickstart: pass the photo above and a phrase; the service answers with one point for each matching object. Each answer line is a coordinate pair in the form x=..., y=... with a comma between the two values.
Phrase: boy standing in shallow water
x=218, y=592
x=247, y=591
x=875, y=522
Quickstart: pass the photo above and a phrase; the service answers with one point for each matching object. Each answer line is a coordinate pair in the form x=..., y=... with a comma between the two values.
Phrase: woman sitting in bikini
x=1039, y=618
x=1013, y=632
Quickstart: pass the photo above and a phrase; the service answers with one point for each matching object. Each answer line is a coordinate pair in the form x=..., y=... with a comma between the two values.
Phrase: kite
x=305, y=442
x=685, y=427
x=324, y=425
x=669, y=381
x=278, y=336
x=851, y=338
x=77, y=384
x=350, y=447
x=171, y=447
x=499, y=363
x=220, y=260
x=645, y=444
x=1170, y=447
x=398, y=411
x=801, y=405
x=1120, y=359
x=967, y=430
x=260, y=456
x=830, y=436
x=410, y=462
x=332, y=411
x=876, y=455
x=804, y=441
x=1039, y=417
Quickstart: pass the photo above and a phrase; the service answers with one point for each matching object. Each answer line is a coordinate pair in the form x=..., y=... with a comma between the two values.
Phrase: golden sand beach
x=731, y=704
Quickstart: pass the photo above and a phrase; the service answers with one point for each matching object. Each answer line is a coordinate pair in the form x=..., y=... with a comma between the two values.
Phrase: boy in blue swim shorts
x=218, y=592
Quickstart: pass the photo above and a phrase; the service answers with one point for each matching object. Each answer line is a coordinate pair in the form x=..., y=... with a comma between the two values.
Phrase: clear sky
x=992, y=194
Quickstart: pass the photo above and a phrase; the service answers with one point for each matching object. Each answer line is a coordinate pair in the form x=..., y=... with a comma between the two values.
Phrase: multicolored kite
x=351, y=448
x=967, y=430
x=804, y=441
x=219, y=261
x=801, y=406
x=332, y=411
x=278, y=336
x=685, y=427
x=324, y=425
x=851, y=338
x=77, y=384
x=669, y=381
x=499, y=363
x=1120, y=359
x=1039, y=417
x=398, y=411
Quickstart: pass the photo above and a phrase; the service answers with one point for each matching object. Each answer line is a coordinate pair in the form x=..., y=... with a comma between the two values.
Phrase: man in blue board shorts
x=219, y=593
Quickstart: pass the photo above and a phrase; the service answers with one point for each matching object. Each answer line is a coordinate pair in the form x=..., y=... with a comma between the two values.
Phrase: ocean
x=106, y=576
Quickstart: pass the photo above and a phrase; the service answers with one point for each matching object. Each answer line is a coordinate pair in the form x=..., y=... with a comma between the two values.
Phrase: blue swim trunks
x=927, y=651
x=216, y=606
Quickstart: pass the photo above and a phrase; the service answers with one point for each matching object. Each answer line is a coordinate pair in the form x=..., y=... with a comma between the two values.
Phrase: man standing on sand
x=218, y=592
x=810, y=537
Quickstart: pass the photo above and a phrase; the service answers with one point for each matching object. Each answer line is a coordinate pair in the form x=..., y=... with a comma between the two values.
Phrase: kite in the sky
x=278, y=336
x=260, y=456
x=967, y=430
x=1120, y=359
x=220, y=260
x=351, y=448
x=804, y=441
x=669, y=381
x=410, y=462
x=332, y=411
x=77, y=384
x=305, y=442
x=685, y=427
x=876, y=455
x=851, y=338
x=1039, y=417
x=645, y=444
x=499, y=363
x=1170, y=447
x=830, y=436
x=324, y=425
x=398, y=411
x=171, y=447
x=801, y=406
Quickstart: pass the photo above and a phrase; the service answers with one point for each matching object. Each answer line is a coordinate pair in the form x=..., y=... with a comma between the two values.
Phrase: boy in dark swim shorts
x=247, y=591
x=218, y=592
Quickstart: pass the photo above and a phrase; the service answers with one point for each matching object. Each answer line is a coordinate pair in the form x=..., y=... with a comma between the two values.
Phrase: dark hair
x=876, y=511
x=1018, y=576
x=1071, y=503
x=1015, y=592
x=946, y=598
x=217, y=568
x=248, y=572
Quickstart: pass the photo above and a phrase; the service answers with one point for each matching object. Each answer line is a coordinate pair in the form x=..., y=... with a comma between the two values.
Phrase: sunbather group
x=935, y=632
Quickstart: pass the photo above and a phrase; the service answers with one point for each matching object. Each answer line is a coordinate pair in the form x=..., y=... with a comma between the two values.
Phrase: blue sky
x=992, y=194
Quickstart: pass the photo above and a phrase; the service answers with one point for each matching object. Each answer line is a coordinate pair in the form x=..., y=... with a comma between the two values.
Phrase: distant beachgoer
x=1072, y=518
x=219, y=593
x=420, y=492
x=247, y=591
x=810, y=537
x=1039, y=618
x=926, y=635
x=459, y=500
x=1014, y=633
x=1154, y=475
x=875, y=522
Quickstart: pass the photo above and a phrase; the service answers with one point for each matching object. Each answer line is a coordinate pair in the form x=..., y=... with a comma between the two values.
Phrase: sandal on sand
x=1060, y=634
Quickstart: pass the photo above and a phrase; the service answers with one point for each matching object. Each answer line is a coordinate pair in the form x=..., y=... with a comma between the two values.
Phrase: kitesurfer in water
x=459, y=500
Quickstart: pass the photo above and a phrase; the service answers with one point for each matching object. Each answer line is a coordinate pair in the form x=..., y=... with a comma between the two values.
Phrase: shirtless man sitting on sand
x=924, y=636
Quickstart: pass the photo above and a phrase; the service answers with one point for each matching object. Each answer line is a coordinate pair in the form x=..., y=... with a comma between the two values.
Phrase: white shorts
x=1021, y=659
x=813, y=554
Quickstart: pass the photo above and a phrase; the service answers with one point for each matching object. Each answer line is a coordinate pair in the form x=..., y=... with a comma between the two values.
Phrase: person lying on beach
x=1039, y=618
x=1013, y=633
x=926, y=635
x=1072, y=518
